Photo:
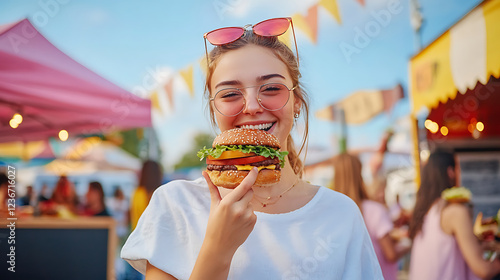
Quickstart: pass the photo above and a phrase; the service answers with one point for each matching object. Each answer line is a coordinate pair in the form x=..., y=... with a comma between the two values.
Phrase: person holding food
x=349, y=181
x=252, y=216
x=444, y=245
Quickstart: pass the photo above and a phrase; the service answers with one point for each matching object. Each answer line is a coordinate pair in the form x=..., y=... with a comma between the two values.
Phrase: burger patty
x=274, y=161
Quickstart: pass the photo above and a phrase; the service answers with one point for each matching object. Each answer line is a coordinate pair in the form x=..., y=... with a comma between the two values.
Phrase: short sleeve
x=170, y=232
x=377, y=218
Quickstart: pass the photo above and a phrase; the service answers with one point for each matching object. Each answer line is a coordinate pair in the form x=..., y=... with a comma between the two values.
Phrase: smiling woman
x=196, y=230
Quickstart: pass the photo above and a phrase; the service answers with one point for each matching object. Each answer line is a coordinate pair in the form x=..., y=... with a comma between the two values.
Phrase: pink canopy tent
x=53, y=92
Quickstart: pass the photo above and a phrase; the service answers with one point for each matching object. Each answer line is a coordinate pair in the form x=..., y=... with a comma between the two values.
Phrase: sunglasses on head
x=267, y=28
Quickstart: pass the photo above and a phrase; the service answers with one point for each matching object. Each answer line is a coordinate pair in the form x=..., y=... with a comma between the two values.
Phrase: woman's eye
x=230, y=95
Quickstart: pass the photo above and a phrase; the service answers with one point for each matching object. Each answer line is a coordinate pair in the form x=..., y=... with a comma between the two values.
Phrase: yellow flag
x=333, y=8
x=155, y=102
x=187, y=75
x=286, y=39
x=203, y=65
x=309, y=23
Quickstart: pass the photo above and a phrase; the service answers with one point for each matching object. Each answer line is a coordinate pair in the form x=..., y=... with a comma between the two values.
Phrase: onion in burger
x=236, y=151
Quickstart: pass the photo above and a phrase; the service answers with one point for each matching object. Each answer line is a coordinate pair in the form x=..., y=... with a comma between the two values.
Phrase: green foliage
x=189, y=159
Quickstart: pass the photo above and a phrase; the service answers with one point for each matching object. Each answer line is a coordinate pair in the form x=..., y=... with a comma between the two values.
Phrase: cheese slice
x=249, y=167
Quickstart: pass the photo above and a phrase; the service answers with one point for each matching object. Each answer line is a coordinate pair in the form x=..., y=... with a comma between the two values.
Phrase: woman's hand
x=231, y=218
x=230, y=222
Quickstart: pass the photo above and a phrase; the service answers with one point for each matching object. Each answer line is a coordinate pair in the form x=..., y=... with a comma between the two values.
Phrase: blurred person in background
x=149, y=180
x=94, y=203
x=349, y=181
x=64, y=201
x=444, y=245
x=4, y=190
x=28, y=198
x=119, y=209
x=44, y=196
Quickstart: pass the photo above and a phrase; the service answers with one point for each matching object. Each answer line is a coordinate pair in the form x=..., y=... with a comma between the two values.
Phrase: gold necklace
x=268, y=199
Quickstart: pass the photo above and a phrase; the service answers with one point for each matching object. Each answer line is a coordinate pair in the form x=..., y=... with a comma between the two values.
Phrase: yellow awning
x=467, y=53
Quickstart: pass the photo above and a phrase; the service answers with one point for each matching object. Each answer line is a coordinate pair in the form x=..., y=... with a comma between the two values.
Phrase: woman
x=94, y=201
x=192, y=229
x=149, y=180
x=348, y=180
x=444, y=245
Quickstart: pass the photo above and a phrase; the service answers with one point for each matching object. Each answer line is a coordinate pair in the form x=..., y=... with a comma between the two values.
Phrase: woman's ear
x=297, y=105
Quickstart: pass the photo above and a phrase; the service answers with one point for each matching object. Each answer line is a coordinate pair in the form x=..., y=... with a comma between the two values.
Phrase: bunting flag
x=361, y=106
x=286, y=38
x=155, y=102
x=309, y=23
x=333, y=8
x=168, y=87
x=187, y=74
x=203, y=65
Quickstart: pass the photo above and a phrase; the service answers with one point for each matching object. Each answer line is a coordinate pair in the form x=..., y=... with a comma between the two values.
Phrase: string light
x=16, y=120
x=480, y=126
x=63, y=135
x=444, y=130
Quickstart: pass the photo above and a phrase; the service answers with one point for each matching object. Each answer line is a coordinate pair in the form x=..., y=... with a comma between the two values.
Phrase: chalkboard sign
x=61, y=251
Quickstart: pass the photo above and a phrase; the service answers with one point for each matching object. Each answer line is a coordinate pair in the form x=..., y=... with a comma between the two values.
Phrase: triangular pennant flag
x=187, y=74
x=286, y=39
x=333, y=8
x=361, y=2
x=168, y=87
x=155, y=102
x=203, y=65
x=309, y=23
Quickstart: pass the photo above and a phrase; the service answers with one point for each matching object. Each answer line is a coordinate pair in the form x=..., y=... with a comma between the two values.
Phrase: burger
x=456, y=195
x=485, y=229
x=236, y=151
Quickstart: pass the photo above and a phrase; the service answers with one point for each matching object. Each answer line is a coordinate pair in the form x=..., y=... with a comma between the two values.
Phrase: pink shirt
x=379, y=223
x=435, y=254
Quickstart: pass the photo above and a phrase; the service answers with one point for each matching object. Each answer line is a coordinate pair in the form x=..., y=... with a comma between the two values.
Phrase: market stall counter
x=56, y=248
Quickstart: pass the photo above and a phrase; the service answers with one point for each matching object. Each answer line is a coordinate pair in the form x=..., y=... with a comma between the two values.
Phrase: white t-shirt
x=325, y=239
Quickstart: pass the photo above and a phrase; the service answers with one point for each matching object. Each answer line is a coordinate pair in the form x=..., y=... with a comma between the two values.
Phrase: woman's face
x=253, y=66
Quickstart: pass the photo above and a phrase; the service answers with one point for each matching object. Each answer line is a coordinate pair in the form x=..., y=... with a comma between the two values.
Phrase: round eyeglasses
x=231, y=101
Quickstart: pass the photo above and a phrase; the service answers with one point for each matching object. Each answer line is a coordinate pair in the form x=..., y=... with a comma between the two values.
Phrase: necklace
x=268, y=201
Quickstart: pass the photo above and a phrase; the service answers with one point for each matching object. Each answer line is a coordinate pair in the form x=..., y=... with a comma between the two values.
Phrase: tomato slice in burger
x=232, y=154
x=237, y=161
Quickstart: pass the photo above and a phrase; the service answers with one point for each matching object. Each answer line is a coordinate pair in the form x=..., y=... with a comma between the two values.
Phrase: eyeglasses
x=267, y=28
x=231, y=101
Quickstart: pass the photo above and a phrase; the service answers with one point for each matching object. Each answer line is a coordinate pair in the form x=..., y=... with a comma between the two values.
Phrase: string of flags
x=305, y=23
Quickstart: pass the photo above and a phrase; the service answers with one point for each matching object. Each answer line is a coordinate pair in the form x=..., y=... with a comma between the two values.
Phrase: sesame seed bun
x=240, y=136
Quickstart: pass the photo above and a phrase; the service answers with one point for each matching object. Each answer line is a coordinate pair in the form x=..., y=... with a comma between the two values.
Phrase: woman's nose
x=252, y=105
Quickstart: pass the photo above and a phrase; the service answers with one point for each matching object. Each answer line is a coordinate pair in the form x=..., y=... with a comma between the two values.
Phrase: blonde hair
x=284, y=54
x=347, y=177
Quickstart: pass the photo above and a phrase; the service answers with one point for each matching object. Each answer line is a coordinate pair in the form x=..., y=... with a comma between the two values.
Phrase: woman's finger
x=215, y=196
x=244, y=186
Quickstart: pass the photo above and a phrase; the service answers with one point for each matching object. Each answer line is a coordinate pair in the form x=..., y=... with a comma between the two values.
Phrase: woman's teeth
x=264, y=126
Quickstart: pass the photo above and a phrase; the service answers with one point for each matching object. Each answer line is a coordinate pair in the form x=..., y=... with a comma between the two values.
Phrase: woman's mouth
x=262, y=126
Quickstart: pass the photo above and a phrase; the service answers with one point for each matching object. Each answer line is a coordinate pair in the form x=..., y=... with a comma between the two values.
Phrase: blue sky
x=125, y=41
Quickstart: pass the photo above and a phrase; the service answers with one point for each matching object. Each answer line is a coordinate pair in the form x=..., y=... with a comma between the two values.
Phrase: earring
x=296, y=115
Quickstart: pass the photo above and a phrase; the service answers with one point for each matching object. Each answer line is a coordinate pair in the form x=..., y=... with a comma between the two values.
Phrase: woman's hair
x=435, y=179
x=348, y=179
x=96, y=186
x=151, y=176
x=283, y=53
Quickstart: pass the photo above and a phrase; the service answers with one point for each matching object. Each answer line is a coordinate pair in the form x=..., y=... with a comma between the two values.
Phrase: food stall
x=455, y=101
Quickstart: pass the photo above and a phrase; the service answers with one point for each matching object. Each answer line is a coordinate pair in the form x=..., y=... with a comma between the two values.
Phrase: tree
x=189, y=159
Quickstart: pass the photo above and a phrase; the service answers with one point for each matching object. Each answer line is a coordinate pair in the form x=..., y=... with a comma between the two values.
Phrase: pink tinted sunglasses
x=267, y=28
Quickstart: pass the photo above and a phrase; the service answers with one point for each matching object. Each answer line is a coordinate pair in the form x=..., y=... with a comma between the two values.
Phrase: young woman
x=195, y=230
x=444, y=245
x=348, y=180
